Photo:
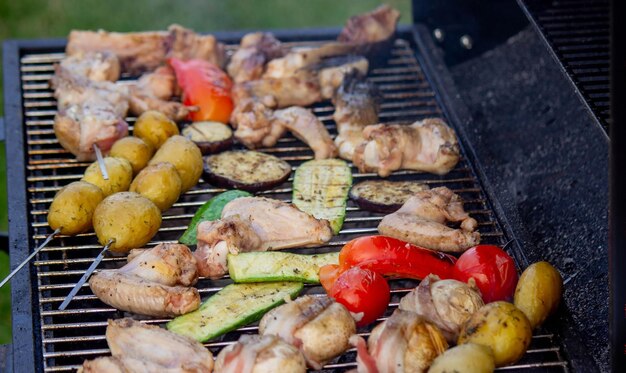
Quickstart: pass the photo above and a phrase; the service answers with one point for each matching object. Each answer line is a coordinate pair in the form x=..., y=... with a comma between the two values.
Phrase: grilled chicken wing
x=402, y=343
x=154, y=283
x=306, y=127
x=145, y=51
x=255, y=224
x=302, y=59
x=375, y=26
x=318, y=326
x=260, y=354
x=422, y=221
x=428, y=145
x=256, y=49
x=301, y=89
x=153, y=91
x=333, y=72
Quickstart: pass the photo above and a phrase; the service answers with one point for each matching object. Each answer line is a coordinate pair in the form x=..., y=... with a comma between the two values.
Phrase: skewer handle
x=103, y=167
x=85, y=277
x=31, y=256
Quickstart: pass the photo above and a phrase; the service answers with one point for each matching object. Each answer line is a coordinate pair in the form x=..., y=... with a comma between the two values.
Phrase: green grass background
x=55, y=18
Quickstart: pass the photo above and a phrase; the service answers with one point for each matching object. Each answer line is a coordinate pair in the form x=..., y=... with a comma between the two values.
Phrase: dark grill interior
x=68, y=337
x=578, y=33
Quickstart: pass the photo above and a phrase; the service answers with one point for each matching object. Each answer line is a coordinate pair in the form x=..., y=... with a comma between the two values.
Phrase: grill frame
x=25, y=317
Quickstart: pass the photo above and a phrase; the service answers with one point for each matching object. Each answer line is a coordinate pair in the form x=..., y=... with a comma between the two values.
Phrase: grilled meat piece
x=318, y=326
x=301, y=89
x=260, y=354
x=153, y=91
x=154, y=283
x=375, y=26
x=106, y=364
x=89, y=112
x=402, y=343
x=145, y=51
x=256, y=49
x=422, y=221
x=255, y=224
x=96, y=66
x=333, y=71
x=303, y=59
x=255, y=124
x=428, y=145
x=356, y=106
x=306, y=127
x=148, y=348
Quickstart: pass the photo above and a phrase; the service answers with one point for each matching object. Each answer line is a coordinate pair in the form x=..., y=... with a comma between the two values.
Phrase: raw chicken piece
x=154, y=283
x=96, y=66
x=89, y=112
x=301, y=89
x=306, y=127
x=402, y=343
x=255, y=224
x=139, y=52
x=422, y=221
x=153, y=91
x=137, y=345
x=256, y=49
x=428, y=145
x=260, y=354
x=318, y=326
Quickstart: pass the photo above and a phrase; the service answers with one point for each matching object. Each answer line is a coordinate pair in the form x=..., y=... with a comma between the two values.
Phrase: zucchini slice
x=232, y=307
x=211, y=137
x=211, y=210
x=320, y=187
x=263, y=266
x=246, y=170
x=383, y=195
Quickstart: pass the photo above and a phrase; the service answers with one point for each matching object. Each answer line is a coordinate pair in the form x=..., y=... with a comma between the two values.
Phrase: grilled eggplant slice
x=383, y=195
x=211, y=137
x=246, y=170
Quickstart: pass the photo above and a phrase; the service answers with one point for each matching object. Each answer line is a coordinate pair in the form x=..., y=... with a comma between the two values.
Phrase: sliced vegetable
x=263, y=266
x=211, y=137
x=383, y=195
x=246, y=170
x=209, y=211
x=389, y=257
x=233, y=306
x=205, y=86
x=320, y=187
x=363, y=292
x=491, y=268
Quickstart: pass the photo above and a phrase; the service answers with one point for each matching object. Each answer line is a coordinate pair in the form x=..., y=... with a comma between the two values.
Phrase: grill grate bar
x=69, y=336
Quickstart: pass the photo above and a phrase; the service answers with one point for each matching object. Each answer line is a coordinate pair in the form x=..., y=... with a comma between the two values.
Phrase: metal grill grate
x=578, y=32
x=68, y=337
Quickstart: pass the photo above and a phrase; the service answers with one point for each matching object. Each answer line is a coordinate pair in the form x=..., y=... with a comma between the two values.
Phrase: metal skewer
x=31, y=256
x=85, y=277
x=103, y=167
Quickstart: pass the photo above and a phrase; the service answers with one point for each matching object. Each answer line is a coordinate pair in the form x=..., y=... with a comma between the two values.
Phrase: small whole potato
x=73, y=206
x=120, y=175
x=185, y=156
x=155, y=128
x=501, y=326
x=134, y=150
x=128, y=218
x=466, y=358
x=538, y=292
x=160, y=183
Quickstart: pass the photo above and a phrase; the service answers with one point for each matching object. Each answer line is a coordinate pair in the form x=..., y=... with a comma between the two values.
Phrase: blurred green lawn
x=55, y=18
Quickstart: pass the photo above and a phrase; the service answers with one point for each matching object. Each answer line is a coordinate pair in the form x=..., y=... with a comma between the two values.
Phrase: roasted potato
x=185, y=156
x=120, y=175
x=128, y=218
x=466, y=358
x=501, y=326
x=160, y=183
x=154, y=128
x=134, y=150
x=538, y=292
x=73, y=206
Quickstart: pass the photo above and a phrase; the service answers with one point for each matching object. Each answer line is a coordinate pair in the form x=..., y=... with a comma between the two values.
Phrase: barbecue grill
x=532, y=170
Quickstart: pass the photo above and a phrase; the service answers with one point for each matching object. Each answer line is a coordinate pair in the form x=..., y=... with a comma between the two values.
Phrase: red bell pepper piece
x=206, y=86
x=389, y=257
